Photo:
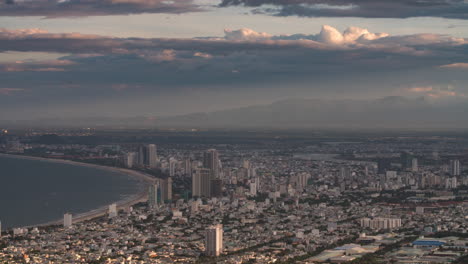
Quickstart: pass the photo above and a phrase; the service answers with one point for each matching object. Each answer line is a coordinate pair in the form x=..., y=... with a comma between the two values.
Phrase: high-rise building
x=0, y=229
x=414, y=165
x=188, y=167
x=172, y=167
x=112, y=210
x=246, y=164
x=216, y=188
x=166, y=189
x=130, y=159
x=406, y=160
x=211, y=161
x=141, y=155
x=455, y=168
x=253, y=188
x=201, y=183
x=214, y=240
x=154, y=195
x=67, y=220
x=451, y=183
x=148, y=156
x=383, y=165
x=151, y=156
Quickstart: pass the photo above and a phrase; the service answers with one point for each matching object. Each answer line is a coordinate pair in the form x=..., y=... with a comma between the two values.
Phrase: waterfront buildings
x=67, y=220
x=112, y=210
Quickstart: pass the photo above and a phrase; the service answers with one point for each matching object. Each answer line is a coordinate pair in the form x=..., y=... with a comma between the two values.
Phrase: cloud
x=245, y=34
x=38, y=66
x=420, y=89
x=458, y=65
x=437, y=92
x=9, y=91
x=357, y=8
x=80, y=8
x=104, y=67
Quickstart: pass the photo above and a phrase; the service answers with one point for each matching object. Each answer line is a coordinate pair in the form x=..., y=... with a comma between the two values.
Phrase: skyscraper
x=129, y=159
x=67, y=220
x=216, y=188
x=151, y=156
x=172, y=166
x=112, y=210
x=383, y=165
x=141, y=155
x=406, y=160
x=455, y=167
x=148, y=156
x=201, y=183
x=154, y=195
x=214, y=240
x=188, y=167
x=166, y=189
x=414, y=165
x=211, y=161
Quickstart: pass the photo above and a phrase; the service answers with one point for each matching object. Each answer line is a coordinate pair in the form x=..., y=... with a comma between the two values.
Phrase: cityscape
x=233, y=131
x=281, y=198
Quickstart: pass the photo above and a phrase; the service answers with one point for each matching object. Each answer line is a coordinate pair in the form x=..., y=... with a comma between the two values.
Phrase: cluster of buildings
x=267, y=203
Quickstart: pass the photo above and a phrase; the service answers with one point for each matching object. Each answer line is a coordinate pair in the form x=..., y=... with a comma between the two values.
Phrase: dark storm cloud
x=358, y=8
x=78, y=8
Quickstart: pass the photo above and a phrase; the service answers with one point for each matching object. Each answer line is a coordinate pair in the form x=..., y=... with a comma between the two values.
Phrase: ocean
x=37, y=191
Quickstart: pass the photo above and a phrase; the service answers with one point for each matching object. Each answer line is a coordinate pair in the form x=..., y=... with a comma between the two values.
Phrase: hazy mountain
x=389, y=112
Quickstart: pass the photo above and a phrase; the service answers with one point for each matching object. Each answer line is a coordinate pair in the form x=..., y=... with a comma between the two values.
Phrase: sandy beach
x=101, y=211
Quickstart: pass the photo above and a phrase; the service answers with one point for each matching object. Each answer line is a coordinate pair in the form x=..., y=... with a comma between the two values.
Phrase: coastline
x=141, y=196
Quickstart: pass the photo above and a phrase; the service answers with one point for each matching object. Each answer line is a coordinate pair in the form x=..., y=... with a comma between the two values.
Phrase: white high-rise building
x=214, y=240
x=154, y=195
x=455, y=167
x=152, y=156
x=112, y=210
x=67, y=220
x=172, y=166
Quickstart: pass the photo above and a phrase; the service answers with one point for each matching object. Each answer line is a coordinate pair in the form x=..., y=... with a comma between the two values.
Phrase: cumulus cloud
x=358, y=8
x=245, y=34
x=78, y=8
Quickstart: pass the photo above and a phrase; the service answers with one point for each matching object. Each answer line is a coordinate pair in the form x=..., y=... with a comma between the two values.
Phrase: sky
x=123, y=58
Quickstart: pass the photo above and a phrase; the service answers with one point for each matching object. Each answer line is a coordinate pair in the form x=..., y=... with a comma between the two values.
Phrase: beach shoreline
x=141, y=196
